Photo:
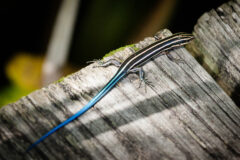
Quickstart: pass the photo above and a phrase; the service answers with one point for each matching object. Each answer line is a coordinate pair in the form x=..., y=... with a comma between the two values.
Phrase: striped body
x=157, y=48
x=136, y=60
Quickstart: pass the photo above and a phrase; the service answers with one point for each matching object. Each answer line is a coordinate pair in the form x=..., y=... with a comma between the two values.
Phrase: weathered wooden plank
x=186, y=115
x=217, y=34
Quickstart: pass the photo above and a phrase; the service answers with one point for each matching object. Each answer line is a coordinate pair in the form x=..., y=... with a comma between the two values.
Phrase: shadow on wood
x=186, y=115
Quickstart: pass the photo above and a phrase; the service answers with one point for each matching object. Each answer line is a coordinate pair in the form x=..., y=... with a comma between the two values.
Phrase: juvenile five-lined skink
x=132, y=64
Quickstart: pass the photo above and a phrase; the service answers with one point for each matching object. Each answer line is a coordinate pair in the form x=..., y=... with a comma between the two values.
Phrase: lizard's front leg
x=109, y=62
x=141, y=77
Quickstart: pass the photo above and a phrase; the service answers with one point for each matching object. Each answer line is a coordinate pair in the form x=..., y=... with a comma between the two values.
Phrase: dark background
x=26, y=26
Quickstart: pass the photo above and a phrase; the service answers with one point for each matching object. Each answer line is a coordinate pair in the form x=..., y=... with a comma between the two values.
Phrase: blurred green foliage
x=11, y=94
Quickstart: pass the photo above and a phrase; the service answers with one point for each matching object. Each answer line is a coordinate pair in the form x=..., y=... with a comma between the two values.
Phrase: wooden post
x=217, y=46
x=186, y=115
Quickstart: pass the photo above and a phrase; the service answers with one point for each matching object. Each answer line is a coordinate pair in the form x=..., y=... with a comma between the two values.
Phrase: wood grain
x=217, y=44
x=186, y=115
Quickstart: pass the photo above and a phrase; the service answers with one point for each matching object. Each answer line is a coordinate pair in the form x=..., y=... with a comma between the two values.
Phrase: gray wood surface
x=186, y=115
x=217, y=44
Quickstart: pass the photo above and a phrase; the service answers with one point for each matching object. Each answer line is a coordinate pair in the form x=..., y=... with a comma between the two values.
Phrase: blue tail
x=90, y=104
